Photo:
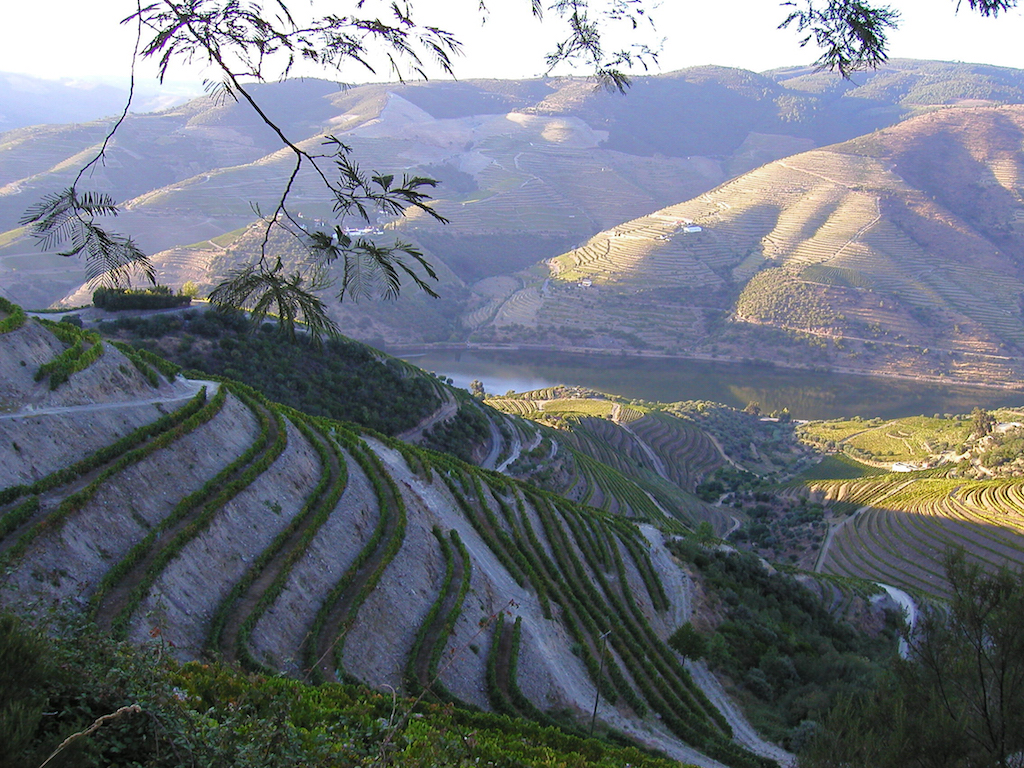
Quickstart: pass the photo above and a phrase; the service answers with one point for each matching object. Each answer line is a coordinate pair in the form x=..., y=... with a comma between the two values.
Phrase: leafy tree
x=257, y=41
x=24, y=666
x=689, y=642
x=705, y=534
x=957, y=700
x=982, y=422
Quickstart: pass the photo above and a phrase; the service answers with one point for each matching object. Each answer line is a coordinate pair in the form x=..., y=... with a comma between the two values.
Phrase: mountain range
x=817, y=198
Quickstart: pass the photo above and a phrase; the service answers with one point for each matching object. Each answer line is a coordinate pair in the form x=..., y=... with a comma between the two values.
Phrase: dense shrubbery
x=791, y=659
x=209, y=715
x=461, y=435
x=343, y=380
x=776, y=297
x=15, y=316
x=157, y=297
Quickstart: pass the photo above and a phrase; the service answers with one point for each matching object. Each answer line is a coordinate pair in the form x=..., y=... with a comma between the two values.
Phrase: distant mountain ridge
x=530, y=170
x=33, y=101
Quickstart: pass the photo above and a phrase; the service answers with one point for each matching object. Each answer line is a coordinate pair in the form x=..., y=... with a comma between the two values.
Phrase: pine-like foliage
x=70, y=217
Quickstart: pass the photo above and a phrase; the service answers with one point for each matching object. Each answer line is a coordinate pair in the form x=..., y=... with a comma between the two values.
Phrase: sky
x=83, y=40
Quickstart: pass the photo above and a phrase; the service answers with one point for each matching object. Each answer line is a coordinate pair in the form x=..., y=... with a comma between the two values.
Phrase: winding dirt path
x=819, y=564
x=31, y=412
x=743, y=731
x=514, y=452
x=495, y=450
x=725, y=456
x=52, y=498
x=680, y=591
x=659, y=465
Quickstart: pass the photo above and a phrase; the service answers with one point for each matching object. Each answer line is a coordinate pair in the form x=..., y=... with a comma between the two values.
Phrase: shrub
x=15, y=316
x=157, y=297
x=688, y=642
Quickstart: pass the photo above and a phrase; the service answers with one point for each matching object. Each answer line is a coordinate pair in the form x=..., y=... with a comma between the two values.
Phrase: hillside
x=285, y=542
x=529, y=170
x=197, y=512
x=895, y=253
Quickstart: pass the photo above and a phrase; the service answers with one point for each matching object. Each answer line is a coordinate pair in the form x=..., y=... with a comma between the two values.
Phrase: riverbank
x=403, y=350
x=805, y=393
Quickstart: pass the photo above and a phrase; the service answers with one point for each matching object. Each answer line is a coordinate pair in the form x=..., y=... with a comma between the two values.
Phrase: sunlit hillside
x=528, y=170
x=895, y=252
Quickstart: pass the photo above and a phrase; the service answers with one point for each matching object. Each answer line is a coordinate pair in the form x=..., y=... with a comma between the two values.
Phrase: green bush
x=342, y=380
x=157, y=297
x=15, y=316
x=688, y=642
x=25, y=666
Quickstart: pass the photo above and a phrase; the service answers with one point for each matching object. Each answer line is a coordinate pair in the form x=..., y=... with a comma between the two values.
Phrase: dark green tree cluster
x=341, y=380
x=791, y=659
x=154, y=297
x=462, y=435
x=957, y=701
x=982, y=422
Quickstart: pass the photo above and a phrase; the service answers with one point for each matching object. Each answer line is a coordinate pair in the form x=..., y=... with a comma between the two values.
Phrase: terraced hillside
x=897, y=528
x=904, y=491
x=201, y=513
x=894, y=253
x=529, y=169
x=618, y=457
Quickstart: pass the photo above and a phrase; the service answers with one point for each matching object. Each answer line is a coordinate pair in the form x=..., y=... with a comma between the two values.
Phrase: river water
x=807, y=394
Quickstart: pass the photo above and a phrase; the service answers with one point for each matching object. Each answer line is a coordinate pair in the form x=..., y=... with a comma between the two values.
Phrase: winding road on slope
x=679, y=588
x=514, y=452
x=446, y=411
x=659, y=465
x=31, y=411
x=834, y=529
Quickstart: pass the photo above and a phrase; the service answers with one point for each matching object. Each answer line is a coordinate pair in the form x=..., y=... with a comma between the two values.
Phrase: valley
x=806, y=394
x=721, y=377
x=789, y=217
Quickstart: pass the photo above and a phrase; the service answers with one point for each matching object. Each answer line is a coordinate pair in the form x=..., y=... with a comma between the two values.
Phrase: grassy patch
x=579, y=407
x=839, y=467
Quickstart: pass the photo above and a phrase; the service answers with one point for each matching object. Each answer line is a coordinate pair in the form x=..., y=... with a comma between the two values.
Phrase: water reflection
x=807, y=395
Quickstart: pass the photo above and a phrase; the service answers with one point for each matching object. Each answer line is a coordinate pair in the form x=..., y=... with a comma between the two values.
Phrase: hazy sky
x=72, y=38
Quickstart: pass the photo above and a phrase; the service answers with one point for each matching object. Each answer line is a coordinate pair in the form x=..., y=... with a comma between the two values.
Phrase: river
x=807, y=394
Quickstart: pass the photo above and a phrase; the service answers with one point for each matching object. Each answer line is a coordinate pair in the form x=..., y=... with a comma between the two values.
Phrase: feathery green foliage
x=70, y=217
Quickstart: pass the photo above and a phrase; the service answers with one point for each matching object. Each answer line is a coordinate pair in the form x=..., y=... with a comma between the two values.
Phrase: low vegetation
x=343, y=380
x=156, y=297
x=168, y=715
x=786, y=656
